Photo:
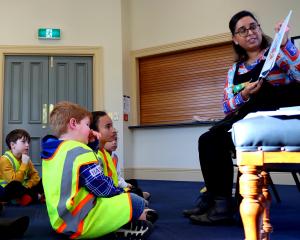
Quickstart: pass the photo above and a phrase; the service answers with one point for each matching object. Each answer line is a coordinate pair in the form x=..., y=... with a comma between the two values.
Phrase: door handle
x=51, y=106
x=45, y=115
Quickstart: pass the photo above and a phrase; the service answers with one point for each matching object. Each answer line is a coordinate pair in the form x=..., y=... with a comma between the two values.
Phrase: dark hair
x=16, y=134
x=96, y=116
x=240, y=52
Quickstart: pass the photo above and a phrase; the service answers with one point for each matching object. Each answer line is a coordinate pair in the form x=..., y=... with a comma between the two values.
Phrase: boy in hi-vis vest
x=81, y=201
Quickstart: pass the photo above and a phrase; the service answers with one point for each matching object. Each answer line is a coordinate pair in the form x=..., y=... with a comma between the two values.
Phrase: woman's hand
x=251, y=88
x=286, y=34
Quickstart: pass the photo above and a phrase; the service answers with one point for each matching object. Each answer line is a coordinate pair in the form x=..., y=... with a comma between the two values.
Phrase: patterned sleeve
x=96, y=182
x=231, y=102
x=288, y=60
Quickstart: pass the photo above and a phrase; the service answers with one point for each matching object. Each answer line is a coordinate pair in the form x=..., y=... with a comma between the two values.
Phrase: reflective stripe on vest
x=109, y=168
x=12, y=161
x=16, y=165
x=72, y=220
x=115, y=160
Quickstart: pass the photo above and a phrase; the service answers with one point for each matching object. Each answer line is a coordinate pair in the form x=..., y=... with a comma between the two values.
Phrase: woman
x=243, y=93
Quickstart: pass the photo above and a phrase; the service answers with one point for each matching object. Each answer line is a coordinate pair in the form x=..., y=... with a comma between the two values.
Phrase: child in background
x=19, y=179
x=103, y=124
x=81, y=201
x=131, y=184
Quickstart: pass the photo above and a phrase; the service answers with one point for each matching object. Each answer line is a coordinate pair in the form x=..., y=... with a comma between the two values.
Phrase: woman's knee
x=205, y=139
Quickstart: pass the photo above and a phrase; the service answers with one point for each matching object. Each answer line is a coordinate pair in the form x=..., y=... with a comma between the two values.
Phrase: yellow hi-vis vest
x=71, y=208
x=16, y=165
x=109, y=168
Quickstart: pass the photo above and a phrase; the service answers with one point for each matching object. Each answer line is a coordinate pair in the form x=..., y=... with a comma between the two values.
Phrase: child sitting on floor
x=131, y=184
x=19, y=179
x=103, y=124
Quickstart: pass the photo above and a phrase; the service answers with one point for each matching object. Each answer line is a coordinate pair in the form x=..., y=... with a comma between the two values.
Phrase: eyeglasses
x=243, y=31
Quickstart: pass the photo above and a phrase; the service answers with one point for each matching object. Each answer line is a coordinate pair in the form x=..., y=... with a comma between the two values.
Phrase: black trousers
x=15, y=190
x=215, y=154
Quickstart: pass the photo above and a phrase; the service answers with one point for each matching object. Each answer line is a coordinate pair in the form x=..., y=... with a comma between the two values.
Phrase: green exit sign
x=49, y=33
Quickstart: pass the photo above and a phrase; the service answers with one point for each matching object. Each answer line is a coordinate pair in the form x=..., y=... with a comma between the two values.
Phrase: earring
x=236, y=43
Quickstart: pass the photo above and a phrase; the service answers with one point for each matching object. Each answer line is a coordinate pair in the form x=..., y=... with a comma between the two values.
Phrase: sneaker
x=135, y=230
x=205, y=202
x=11, y=228
x=25, y=200
x=151, y=215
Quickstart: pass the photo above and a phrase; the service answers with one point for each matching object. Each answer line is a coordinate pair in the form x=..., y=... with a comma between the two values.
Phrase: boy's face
x=83, y=130
x=21, y=146
x=106, y=129
x=111, y=146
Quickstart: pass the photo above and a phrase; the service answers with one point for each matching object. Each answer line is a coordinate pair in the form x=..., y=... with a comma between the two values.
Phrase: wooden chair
x=269, y=169
x=263, y=142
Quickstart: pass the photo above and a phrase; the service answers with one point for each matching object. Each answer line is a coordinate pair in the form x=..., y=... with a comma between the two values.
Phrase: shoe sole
x=139, y=233
x=151, y=216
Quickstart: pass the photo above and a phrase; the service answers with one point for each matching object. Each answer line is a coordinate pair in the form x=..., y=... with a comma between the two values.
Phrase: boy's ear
x=72, y=123
x=11, y=144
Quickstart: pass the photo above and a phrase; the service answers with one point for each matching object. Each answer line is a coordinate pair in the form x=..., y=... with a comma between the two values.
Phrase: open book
x=274, y=49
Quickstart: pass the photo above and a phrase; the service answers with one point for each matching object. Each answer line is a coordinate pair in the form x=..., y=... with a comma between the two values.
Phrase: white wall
x=83, y=23
x=158, y=22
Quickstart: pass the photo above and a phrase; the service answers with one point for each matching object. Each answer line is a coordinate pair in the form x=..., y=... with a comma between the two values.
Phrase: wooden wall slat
x=176, y=86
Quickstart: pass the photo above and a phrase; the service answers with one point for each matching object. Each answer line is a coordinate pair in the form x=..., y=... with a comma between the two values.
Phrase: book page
x=274, y=49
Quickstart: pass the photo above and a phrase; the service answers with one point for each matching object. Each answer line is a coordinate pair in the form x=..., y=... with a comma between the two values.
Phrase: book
x=274, y=49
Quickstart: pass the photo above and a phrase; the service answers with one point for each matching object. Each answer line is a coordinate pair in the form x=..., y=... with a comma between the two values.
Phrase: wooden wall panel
x=176, y=86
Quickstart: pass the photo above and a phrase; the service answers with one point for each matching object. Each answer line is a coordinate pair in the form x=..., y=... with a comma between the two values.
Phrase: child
x=18, y=177
x=131, y=184
x=103, y=124
x=81, y=201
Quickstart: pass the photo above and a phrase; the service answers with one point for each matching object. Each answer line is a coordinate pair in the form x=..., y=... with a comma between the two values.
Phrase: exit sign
x=49, y=33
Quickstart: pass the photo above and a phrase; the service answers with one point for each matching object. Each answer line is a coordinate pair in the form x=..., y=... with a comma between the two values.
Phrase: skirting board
x=164, y=174
x=195, y=175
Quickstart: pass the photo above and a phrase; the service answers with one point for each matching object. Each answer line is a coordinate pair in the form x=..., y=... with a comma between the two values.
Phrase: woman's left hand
x=286, y=34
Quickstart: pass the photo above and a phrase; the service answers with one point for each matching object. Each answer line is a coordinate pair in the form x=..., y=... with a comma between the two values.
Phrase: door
x=71, y=80
x=33, y=84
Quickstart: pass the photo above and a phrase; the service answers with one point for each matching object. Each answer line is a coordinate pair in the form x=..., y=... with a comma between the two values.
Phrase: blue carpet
x=169, y=198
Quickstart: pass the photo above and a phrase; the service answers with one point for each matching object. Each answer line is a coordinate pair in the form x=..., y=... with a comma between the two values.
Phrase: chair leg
x=271, y=184
x=296, y=180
